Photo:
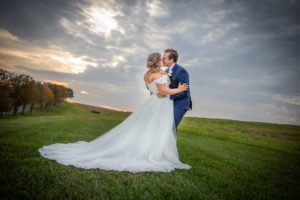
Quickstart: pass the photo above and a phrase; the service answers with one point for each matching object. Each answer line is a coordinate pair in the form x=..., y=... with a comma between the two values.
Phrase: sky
x=242, y=56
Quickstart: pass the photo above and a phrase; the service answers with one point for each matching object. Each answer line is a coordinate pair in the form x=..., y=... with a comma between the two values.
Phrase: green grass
x=230, y=160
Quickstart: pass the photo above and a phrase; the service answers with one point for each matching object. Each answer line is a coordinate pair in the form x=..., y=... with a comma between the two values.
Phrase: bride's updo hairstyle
x=153, y=62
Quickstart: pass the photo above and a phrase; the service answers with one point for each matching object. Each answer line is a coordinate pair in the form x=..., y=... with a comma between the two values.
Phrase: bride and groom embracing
x=147, y=139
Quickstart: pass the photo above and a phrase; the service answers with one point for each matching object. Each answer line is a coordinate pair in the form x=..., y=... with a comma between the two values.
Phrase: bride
x=144, y=141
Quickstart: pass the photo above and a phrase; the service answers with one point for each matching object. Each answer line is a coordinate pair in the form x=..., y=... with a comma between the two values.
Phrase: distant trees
x=20, y=90
x=6, y=89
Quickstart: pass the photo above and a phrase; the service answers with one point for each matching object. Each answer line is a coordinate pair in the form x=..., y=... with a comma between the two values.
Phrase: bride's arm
x=164, y=90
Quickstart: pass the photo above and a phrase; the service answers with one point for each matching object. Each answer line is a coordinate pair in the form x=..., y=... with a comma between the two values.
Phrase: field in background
x=230, y=159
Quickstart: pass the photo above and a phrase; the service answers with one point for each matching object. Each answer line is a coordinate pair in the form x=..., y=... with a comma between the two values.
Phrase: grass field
x=230, y=160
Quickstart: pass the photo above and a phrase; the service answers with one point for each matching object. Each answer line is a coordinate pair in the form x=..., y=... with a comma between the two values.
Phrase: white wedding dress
x=144, y=141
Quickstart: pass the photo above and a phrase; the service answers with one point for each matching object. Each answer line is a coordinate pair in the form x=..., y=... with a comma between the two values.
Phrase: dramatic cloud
x=242, y=56
x=50, y=57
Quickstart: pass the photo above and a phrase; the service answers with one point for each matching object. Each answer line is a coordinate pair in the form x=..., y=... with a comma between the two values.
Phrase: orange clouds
x=15, y=51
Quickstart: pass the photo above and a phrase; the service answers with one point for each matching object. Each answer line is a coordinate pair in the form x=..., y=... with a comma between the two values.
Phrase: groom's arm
x=183, y=78
x=161, y=95
x=148, y=89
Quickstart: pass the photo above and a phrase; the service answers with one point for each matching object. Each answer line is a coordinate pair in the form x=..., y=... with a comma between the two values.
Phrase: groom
x=177, y=74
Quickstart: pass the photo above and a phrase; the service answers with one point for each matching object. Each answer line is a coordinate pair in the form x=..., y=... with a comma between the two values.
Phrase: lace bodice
x=163, y=79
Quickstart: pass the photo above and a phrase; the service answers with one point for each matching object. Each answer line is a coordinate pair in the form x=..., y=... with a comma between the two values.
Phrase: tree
x=5, y=89
x=27, y=91
x=5, y=100
x=60, y=92
x=41, y=94
x=70, y=93
x=49, y=96
x=33, y=96
x=63, y=93
x=22, y=85
x=21, y=90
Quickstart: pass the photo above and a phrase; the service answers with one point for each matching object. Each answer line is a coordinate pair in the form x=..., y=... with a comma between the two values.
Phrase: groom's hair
x=172, y=54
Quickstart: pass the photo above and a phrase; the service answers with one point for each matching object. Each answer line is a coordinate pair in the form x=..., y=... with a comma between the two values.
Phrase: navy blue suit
x=182, y=100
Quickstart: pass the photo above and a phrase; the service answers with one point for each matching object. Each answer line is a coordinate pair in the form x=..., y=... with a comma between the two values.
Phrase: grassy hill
x=230, y=160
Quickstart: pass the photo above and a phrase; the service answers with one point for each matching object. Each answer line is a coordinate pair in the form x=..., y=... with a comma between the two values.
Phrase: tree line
x=20, y=90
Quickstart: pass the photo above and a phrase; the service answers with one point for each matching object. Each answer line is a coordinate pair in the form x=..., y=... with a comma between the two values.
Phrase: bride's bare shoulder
x=146, y=76
x=157, y=75
x=149, y=77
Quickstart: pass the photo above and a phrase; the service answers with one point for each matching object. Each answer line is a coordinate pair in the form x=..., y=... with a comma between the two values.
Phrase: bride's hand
x=183, y=87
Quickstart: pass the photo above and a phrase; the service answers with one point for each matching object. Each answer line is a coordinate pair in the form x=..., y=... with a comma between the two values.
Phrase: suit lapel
x=174, y=68
x=173, y=72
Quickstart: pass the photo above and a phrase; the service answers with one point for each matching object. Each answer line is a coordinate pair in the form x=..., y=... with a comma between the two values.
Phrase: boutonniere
x=170, y=73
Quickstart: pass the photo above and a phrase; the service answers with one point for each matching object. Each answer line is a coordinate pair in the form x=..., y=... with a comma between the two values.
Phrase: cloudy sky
x=242, y=56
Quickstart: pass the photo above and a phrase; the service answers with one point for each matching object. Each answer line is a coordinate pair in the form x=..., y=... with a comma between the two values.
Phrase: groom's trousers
x=178, y=114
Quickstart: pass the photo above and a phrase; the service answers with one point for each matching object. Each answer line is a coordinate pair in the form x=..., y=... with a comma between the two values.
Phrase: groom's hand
x=160, y=95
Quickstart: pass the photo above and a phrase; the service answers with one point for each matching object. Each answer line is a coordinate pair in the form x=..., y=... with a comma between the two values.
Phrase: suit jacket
x=182, y=99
